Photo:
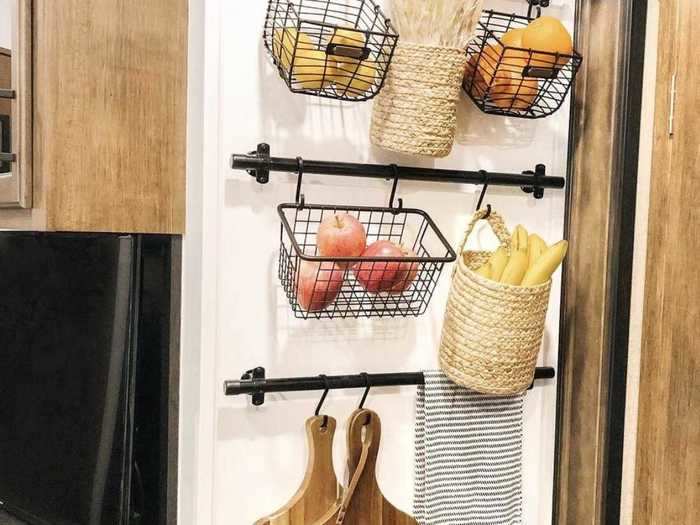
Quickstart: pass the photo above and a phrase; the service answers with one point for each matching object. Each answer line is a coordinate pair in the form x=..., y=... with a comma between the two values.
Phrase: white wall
x=191, y=340
x=250, y=460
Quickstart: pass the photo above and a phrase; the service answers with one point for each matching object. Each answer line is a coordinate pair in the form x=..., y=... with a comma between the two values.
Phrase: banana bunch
x=530, y=263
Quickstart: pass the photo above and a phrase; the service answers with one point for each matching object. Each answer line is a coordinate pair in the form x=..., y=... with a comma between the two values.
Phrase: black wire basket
x=338, y=49
x=351, y=287
x=514, y=81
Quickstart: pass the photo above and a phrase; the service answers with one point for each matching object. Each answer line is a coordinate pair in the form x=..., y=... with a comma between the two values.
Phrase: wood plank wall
x=667, y=484
x=585, y=350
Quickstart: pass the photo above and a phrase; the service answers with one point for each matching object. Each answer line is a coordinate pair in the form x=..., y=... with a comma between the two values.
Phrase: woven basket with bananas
x=496, y=310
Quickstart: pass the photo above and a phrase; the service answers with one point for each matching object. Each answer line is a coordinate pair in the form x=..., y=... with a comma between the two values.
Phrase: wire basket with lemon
x=337, y=49
x=520, y=67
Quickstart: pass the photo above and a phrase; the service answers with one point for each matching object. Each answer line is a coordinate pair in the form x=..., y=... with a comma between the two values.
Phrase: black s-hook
x=299, y=198
x=395, y=168
x=483, y=194
x=365, y=376
x=321, y=401
x=539, y=4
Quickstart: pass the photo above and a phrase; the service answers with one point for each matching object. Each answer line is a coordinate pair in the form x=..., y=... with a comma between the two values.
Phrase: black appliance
x=88, y=378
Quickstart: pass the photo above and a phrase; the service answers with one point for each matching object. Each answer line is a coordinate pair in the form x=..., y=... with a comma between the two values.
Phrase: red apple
x=378, y=276
x=407, y=273
x=318, y=284
x=341, y=235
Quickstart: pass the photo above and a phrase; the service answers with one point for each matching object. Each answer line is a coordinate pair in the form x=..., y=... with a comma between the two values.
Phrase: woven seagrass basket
x=416, y=111
x=492, y=332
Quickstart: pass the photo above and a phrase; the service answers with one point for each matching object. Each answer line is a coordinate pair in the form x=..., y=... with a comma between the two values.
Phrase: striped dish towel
x=468, y=455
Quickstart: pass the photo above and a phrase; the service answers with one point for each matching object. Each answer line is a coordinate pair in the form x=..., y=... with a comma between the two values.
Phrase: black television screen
x=65, y=402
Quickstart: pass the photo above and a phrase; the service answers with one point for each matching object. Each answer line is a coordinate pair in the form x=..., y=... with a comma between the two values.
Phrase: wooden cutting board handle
x=320, y=490
x=364, y=503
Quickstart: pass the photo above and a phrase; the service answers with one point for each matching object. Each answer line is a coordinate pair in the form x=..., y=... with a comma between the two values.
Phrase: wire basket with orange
x=520, y=67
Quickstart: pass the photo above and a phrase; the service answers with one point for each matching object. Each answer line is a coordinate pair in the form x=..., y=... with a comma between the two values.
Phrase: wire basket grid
x=353, y=287
x=339, y=49
x=513, y=81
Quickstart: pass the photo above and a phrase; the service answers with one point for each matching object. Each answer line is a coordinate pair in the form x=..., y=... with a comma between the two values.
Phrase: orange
x=514, y=38
x=473, y=79
x=501, y=77
x=548, y=34
x=511, y=91
x=489, y=62
x=495, y=58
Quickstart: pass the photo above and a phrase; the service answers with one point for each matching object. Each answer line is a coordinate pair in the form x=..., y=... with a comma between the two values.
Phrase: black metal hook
x=482, y=195
x=395, y=169
x=299, y=198
x=536, y=3
x=323, y=398
x=365, y=376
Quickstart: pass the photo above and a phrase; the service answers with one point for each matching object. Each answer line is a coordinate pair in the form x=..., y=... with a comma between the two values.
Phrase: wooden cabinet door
x=110, y=114
x=107, y=115
x=667, y=484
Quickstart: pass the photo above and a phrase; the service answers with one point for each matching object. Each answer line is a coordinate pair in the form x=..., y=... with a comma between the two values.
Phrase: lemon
x=283, y=42
x=355, y=78
x=312, y=70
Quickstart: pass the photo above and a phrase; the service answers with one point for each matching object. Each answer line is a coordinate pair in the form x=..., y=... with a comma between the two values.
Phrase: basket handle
x=497, y=226
x=354, y=52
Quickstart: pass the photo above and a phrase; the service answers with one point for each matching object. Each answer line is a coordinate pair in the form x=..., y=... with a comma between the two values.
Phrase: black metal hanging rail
x=254, y=383
x=259, y=164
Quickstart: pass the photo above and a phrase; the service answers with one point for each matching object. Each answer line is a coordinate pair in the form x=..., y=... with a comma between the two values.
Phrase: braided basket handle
x=497, y=226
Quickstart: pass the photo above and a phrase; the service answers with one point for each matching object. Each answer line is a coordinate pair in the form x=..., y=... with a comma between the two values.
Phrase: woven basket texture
x=492, y=331
x=416, y=110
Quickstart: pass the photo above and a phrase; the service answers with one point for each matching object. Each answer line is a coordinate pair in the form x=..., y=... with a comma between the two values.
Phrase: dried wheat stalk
x=445, y=23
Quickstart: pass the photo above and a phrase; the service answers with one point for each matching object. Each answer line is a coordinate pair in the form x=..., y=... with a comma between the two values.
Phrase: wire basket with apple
x=359, y=261
x=520, y=67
